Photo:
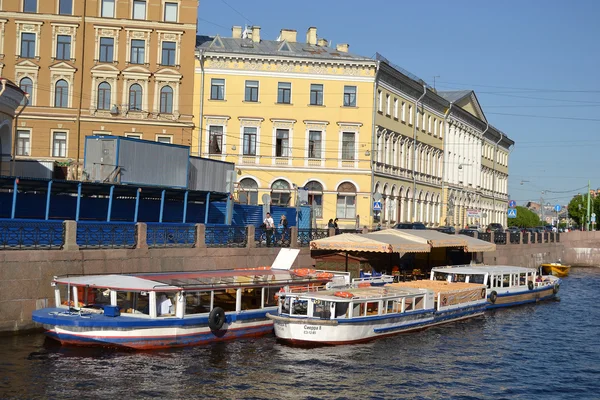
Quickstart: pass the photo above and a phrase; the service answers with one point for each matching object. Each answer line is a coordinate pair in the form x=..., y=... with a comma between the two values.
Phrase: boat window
x=321, y=309
x=197, y=302
x=357, y=307
x=393, y=306
x=225, y=299
x=476, y=279
x=251, y=298
x=419, y=303
x=440, y=276
x=515, y=280
x=505, y=280
x=132, y=302
x=373, y=308
x=408, y=304
x=299, y=307
x=271, y=296
x=341, y=309
x=459, y=278
x=522, y=278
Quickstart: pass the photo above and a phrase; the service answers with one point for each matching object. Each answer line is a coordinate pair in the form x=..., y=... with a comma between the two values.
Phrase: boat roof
x=479, y=270
x=362, y=293
x=174, y=281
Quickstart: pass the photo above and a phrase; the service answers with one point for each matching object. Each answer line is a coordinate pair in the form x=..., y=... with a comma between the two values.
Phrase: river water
x=544, y=351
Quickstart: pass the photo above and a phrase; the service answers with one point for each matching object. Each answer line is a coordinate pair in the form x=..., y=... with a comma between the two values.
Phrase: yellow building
x=117, y=67
x=290, y=114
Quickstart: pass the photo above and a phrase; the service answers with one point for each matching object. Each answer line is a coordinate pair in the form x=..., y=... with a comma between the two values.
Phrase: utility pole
x=588, y=207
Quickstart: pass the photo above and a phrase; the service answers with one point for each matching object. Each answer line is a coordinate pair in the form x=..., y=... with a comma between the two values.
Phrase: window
x=106, y=49
x=168, y=53
x=63, y=47
x=251, y=93
x=248, y=193
x=403, y=112
x=30, y=6
x=138, y=48
x=280, y=193
x=428, y=124
x=316, y=95
x=139, y=9
x=424, y=120
x=108, y=9
x=215, y=139
x=315, y=197
x=171, y=12
x=23, y=143
x=387, y=104
x=59, y=144
x=379, y=101
x=26, y=85
x=135, y=97
x=284, y=93
x=27, y=45
x=314, y=144
x=396, y=108
x=65, y=7
x=61, y=94
x=346, y=201
x=133, y=135
x=164, y=139
x=435, y=126
x=282, y=137
x=349, y=96
x=103, y=96
x=166, y=100
x=348, y=145
x=217, y=89
x=249, y=141
x=410, y=115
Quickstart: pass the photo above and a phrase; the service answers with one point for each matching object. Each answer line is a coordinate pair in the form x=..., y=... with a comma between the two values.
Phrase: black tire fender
x=493, y=296
x=216, y=319
x=530, y=285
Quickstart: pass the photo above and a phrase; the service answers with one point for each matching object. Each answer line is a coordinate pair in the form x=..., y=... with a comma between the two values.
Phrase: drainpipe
x=14, y=135
x=446, y=115
x=415, y=153
x=494, y=181
x=81, y=90
x=372, y=161
x=200, y=132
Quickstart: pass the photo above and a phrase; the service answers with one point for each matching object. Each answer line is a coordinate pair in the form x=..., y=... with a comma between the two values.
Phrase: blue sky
x=533, y=64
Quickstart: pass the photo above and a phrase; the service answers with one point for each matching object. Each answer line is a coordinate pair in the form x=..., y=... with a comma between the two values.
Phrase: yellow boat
x=556, y=269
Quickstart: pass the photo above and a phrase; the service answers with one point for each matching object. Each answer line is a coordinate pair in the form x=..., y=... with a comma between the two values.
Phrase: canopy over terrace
x=386, y=241
x=440, y=239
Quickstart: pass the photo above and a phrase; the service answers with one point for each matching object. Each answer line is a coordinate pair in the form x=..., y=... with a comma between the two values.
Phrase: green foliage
x=525, y=218
x=578, y=209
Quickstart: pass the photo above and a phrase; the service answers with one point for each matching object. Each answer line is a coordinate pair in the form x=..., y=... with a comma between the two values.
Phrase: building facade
x=117, y=67
x=291, y=115
x=11, y=97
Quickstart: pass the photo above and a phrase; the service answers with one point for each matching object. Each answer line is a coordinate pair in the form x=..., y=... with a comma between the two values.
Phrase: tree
x=525, y=218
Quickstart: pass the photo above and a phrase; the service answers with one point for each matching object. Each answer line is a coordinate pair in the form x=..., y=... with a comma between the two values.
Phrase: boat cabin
x=493, y=277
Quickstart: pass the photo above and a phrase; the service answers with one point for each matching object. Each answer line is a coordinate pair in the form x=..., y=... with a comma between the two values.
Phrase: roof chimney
x=311, y=35
x=256, y=34
x=322, y=42
x=287, y=34
x=236, y=32
x=342, y=47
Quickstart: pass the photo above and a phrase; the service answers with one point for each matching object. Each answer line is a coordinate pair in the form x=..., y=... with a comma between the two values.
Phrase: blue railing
x=31, y=234
x=276, y=238
x=170, y=235
x=106, y=235
x=306, y=235
x=226, y=236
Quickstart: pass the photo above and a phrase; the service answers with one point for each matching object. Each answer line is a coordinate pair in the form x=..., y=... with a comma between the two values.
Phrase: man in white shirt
x=269, y=226
x=164, y=305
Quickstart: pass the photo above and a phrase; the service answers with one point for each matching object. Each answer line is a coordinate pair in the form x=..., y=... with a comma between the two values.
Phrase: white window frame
x=138, y=34
x=58, y=8
x=284, y=124
x=29, y=27
x=387, y=104
x=101, y=6
x=162, y=136
x=30, y=133
x=395, y=107
x=37, y=6
x=224, y=89
x=164, y=9
x=380, y=101
x=63, y=29
x=435, y=127
x=223, y=140
x=169, y=36
x=107, y=32
x=53, y=132
x=403, y=111
x=134, y=135
x=410, y=114
x=133, y=10
x=249, y=123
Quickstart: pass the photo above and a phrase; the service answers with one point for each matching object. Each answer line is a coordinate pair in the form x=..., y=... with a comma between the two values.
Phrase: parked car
x=513, y=229
x=410, y=225
x=475, y=227
x=446, y=229
x=468, y=231
x=495, y=227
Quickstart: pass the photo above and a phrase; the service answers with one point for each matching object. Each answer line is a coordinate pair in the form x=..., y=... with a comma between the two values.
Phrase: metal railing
x=170, y=235
x=500, y=238
x=272, y=238
x=486, y=236
x=226, y=236
x=106, y=235
x=306, y=235
x=31, y=234
x=526, y=238
x=515, y=237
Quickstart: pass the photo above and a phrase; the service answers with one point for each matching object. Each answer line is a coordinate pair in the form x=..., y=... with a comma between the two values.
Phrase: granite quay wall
x=581, y=248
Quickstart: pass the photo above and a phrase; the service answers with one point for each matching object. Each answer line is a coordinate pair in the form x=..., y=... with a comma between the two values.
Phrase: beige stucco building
x=119, y=67
x=10, y=98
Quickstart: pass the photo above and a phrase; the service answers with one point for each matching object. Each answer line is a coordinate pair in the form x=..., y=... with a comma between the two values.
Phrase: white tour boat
x=506, y=285
x=171, y=309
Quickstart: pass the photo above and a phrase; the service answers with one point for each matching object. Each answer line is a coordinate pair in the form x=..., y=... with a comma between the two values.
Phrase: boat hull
x=558, y=270
x=523, y=296
x=128, y=332
x=312, y=331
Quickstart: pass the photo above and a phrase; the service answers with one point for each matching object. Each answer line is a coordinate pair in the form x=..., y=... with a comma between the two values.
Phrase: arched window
x=280, y=193
x=103, y=96
x=346, y=201
x=166, y=100
x=248, y=192
x=26, y=85
x=61, y=94
x=315, y=197
x=135, y=97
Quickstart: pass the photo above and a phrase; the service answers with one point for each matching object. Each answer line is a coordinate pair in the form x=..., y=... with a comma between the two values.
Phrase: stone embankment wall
x=581, y=248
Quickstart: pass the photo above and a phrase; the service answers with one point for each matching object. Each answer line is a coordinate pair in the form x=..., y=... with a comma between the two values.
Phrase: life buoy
x=279, y=293
x=71, y=303
x=555, y=288
x=216, y=319
x=483, y=293
x=530, y=285
x=324, y=275
x=303, y=271
x=364, y=284
x=493, y=296
x=345, y=295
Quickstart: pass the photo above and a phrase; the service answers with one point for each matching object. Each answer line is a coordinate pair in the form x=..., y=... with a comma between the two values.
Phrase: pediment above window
x=62, y=66
x=26, y=64
x=137, y=71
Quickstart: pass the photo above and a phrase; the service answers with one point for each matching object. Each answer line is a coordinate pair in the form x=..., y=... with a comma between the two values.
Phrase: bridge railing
x=106, y=235
x=16, y=234
x=226, y=236
x=170, y=235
